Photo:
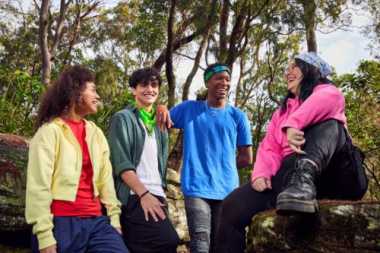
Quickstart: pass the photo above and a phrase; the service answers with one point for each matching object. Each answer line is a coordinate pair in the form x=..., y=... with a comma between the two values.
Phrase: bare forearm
x=243, y=163
x=130, y=178
x=244, y=157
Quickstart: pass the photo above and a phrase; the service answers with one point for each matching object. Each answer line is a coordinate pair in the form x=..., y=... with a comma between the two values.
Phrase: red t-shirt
x=85, y=204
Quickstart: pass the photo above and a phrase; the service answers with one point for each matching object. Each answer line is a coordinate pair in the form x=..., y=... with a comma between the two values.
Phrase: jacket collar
x=132, y=108
x=60, y=122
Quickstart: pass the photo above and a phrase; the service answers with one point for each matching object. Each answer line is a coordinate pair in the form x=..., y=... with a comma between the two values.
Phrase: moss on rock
x=340, y=226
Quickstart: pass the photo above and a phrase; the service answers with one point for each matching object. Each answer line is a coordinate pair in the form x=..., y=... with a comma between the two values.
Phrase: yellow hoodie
x=54, y=169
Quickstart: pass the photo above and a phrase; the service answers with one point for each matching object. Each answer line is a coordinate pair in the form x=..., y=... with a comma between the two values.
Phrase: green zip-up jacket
x=126, y=137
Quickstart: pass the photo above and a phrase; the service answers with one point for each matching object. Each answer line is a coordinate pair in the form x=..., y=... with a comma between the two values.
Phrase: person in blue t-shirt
x=217, y=140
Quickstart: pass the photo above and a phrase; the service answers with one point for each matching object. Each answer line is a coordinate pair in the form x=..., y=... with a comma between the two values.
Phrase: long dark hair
x=63, y=93
x=311, y=78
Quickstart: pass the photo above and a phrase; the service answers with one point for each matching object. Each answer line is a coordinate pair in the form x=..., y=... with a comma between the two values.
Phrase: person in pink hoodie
x=305, y=155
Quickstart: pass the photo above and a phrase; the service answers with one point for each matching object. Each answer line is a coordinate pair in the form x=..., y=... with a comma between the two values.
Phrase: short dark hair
x=144, y=75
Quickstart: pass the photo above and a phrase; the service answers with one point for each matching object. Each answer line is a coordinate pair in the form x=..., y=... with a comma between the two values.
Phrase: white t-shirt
x=147, y=170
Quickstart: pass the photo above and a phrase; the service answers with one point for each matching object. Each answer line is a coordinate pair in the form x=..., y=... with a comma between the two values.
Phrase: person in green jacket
x=139, y=151
x=69, y=175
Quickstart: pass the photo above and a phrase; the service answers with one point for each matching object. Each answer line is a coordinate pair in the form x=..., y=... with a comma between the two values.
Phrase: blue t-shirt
x=211, y=138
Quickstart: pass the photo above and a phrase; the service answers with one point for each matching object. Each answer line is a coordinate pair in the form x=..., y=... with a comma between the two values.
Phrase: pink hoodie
x=326, y=102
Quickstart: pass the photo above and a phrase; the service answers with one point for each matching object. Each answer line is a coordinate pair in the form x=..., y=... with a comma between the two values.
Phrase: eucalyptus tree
x=60, y=25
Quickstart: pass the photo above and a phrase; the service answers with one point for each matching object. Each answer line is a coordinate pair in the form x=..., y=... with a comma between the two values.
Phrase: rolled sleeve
x=121, y=148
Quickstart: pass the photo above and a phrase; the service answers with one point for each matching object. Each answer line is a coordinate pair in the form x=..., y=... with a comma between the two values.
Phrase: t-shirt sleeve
x=177, y=114
x=244, y=137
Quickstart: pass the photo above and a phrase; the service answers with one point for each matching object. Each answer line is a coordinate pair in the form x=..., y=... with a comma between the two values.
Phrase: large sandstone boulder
x=341, y=226
x=176, y=206
x=14, y=232
x=13, y=160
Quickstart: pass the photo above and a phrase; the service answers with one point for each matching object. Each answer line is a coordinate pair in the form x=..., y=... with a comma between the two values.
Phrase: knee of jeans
x=198, y=214
x=200, y=241
x=202, y=236
x=196, y=205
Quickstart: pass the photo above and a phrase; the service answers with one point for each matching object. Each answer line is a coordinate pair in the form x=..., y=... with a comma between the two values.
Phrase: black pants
x=143, y=236
x=326, y=145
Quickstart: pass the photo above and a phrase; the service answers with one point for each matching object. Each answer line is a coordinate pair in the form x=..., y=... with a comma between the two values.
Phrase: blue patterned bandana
x=313, y=59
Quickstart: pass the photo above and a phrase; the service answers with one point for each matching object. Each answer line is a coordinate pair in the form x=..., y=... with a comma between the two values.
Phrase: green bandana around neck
x=148, y=118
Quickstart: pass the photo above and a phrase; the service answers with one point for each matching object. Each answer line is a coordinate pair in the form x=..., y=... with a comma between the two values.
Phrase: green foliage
x=362, y=93
x=152, y=18
x=112, y=87
x=18, y=101
x=19, y=48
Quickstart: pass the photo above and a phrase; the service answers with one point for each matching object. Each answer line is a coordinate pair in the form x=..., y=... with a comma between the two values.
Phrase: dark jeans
x=202, y=219
x=326, y=145
x=143, y=236
x=85, y=235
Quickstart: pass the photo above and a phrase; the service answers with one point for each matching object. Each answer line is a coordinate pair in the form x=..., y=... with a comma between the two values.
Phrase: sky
x=345, y=49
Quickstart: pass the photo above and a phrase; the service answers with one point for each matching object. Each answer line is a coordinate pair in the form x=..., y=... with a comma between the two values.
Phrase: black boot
x=300, y=193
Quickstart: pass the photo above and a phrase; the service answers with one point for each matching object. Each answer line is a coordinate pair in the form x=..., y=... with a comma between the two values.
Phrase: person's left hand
x=152, y=206
x=261, y=184
x=295, y=139
x=163, y=117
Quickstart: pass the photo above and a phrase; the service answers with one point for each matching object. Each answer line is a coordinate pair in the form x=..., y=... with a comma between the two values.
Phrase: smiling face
x=146, y=94
x=89, y=100
x=293, y=76
x=218, y=86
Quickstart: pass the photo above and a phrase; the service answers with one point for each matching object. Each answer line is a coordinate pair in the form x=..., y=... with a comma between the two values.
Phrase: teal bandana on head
x=214, y=70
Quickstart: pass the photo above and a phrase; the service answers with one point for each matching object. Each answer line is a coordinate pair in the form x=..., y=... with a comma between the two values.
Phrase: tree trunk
x=179, y=42
x=175, y=156
x=169, y=56
x=43, y=41
x=309, y=17
x=190, y=77
x=223, y=24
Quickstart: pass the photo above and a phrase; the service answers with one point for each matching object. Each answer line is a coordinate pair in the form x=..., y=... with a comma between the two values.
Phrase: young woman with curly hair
x=69, y=175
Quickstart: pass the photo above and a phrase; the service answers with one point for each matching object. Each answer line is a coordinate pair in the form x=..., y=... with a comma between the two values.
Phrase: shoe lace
x=299, y=174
